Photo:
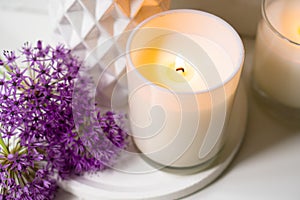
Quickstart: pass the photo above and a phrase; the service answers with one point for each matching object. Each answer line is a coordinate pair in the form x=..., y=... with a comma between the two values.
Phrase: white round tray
x=135, y=178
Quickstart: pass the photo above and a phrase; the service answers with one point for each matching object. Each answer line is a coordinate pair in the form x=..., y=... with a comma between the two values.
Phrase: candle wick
x=180, y=69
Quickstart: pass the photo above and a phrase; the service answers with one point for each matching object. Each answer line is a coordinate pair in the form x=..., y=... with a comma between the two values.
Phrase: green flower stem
x=4, y=147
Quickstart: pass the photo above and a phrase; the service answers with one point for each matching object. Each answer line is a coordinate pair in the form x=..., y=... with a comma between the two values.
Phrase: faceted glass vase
x=95, y=30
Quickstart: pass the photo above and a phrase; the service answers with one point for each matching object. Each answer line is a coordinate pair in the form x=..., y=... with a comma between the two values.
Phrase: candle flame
x=179, y=65
x=299, y=30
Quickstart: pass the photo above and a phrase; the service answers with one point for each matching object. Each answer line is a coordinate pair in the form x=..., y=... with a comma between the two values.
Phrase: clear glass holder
x=276, y=70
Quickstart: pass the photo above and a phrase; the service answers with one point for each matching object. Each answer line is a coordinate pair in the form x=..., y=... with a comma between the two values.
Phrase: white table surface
x=268, y=164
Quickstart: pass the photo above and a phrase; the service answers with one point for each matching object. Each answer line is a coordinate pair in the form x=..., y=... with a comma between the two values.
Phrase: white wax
x=277, y=61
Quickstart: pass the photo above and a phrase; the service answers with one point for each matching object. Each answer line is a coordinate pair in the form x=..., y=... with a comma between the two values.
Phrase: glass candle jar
x=276, y=70
x=183, y=69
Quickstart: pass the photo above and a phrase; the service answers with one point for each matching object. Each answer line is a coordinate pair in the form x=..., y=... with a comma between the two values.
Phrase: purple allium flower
x=37, y=105
x=23, y=174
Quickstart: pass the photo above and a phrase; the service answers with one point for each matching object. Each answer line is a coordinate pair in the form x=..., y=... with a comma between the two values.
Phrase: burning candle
x=183, y=69
x=277, y=58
